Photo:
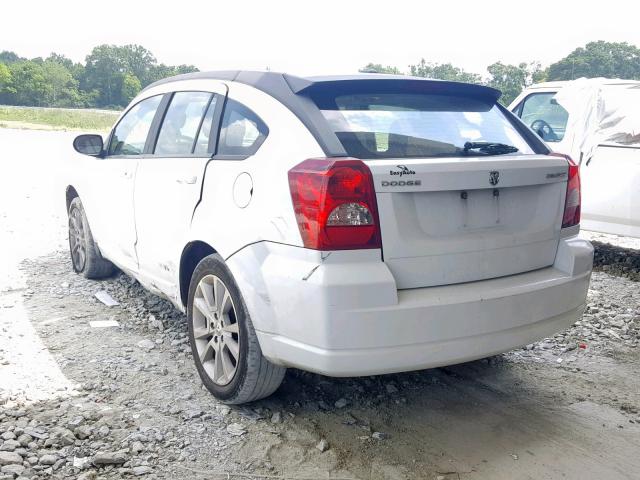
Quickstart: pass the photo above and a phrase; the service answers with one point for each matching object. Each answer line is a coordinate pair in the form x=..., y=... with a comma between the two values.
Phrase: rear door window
x=545, y=116
x=204, y=143
x=242, y=131
x=181, y=124
x=130, y=135
x=399, y=125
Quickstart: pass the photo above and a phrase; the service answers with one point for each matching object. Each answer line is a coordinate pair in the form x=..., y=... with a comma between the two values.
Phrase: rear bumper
x=343, y=316
x=436, y=353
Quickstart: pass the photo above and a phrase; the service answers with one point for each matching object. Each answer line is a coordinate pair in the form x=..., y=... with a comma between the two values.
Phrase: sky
x=319, y=37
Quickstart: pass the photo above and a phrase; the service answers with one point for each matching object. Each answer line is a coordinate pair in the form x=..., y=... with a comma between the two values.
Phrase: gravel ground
x=616, y=255
x=80, y=399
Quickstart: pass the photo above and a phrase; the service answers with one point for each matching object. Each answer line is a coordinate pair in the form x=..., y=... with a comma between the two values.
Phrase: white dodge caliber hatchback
x=351, y=225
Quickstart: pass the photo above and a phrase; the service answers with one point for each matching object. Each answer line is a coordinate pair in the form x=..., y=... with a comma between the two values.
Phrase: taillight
x=571, y=215
x=335, y=204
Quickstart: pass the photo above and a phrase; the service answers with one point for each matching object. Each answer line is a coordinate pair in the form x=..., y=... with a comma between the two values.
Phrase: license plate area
x=480, y=209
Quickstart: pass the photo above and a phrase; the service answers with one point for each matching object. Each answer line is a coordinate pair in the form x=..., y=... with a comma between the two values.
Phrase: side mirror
x=88, y=144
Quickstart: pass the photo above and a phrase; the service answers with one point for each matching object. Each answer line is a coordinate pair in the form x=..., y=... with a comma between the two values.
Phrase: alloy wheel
x=215, y=329
x=77, y=241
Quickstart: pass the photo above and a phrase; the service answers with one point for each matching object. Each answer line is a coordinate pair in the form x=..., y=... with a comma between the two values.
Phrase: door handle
x=127, y=174
x=187, y=180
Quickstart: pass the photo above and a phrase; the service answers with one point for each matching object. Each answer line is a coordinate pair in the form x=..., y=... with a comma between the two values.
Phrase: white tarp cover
x=601, y=112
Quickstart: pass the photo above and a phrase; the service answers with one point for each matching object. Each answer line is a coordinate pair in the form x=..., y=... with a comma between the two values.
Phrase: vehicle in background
x=597, y=123
x=352, y=225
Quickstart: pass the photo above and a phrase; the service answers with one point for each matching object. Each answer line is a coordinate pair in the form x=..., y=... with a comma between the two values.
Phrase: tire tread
x=261, y=377
x=95, y=266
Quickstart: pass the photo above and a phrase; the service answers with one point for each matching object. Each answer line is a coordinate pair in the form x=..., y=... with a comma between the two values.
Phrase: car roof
x=273, y=82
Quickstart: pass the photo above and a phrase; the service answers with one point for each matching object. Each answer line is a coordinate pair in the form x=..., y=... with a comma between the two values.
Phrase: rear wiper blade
x=490, y=148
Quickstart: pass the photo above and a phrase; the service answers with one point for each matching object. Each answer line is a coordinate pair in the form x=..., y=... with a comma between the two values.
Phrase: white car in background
x=352, y=225
x=597, y=123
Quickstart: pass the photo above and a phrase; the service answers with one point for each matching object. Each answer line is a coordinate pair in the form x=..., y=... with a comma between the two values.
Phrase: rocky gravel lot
x=133, y=405
x=95, y=391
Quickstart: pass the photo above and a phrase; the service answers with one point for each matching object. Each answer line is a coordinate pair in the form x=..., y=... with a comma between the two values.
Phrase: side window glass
x=545, y=116
x=202, y=144
x=242, y=130
x=181, y=123
x=130, y=135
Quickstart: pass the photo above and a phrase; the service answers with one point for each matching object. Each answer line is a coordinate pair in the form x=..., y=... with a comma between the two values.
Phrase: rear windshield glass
x=391, y=125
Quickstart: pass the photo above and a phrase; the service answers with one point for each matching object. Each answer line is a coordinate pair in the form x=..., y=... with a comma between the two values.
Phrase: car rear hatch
x=463, y=191
x=459, y=220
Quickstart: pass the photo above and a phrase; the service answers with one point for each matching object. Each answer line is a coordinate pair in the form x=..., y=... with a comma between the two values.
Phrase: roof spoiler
x=388, y=83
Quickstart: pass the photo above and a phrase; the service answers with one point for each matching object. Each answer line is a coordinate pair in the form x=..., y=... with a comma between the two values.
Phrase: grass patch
x=57, y=118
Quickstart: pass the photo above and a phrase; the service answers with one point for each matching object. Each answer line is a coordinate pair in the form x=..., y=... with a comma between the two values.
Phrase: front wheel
x=223, y=341
x=85, y=255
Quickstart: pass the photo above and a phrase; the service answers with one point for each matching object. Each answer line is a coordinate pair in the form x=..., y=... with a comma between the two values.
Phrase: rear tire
x=223, y=341
x=85, y=255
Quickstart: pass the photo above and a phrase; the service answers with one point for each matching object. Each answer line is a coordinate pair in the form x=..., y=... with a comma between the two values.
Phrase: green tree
x=598, y=59
x=180, y=69
x=130, y=87
x=76, y=69
x=158, y=72
x=443, y=71
x=6, y=85
x=62, y=88
x=29, y=82
x=512, y=79
x=104, y=72
x=538, y=74
x=5, y=77
x=138, y=61
x=7, y=57
x=112, y=76
x=61, y=59
x=379, y=68
x=88, y=99
x=108, y=67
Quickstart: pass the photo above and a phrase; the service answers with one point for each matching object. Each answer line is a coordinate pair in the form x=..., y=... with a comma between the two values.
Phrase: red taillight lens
x=335, y=204
x=572, y=201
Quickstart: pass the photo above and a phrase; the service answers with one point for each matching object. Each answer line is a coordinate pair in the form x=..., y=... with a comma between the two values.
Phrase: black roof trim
x=294, y=93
